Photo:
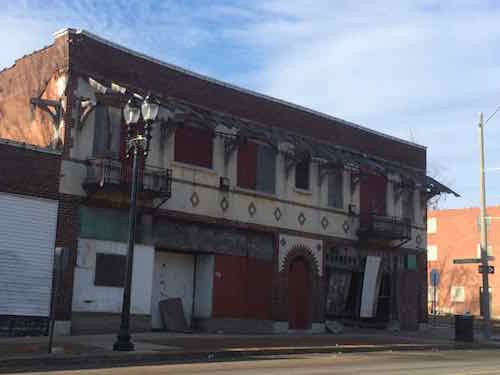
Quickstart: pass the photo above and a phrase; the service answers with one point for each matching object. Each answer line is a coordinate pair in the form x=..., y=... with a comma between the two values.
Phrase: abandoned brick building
x=260, y=215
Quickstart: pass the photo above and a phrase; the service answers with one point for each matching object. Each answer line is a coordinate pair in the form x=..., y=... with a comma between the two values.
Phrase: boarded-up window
x=110, y=270
x=408, y=206
x=107, y=129
x=257, y=167
x=194, y=146
x=373, y=192
x=335, y=189
x=302, y=174
x=241, y=287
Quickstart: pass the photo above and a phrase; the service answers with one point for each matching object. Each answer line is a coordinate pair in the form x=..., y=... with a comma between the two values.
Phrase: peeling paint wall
x=39, y=75
x=89, y=297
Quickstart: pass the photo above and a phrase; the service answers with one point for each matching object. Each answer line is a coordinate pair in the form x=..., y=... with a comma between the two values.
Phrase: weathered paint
x=173, y=278
x=204, y=286
x=109, y=224
x=90, y=298
x=39, y=75
x=204, y=182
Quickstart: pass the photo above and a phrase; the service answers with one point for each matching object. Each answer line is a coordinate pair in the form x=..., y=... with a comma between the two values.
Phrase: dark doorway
x=384, y=299
x=298, y=294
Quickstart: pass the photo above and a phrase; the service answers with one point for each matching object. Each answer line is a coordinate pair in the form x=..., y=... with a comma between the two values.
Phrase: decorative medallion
x=346, y=226
x=318, y=247
x=195, y=199
x=224, y=204
x=277, y=214
x=283, y=242
x=418, y=239
x=301, y=218
x=324, y=222
x=252, y=209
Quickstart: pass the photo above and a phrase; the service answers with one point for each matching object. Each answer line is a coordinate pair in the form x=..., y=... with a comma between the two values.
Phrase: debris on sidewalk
x=334, y=326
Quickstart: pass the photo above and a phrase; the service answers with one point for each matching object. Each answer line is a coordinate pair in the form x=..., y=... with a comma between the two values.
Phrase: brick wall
x=32, y=76
x=102, y=61
x=29, y=171
x=457, y=236
x=67, y=237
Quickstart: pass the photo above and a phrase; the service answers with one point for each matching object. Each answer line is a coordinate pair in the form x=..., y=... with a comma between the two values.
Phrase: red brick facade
x=457, y=236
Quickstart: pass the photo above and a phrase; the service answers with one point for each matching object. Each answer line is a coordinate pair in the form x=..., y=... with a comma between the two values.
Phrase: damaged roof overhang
x=434, y=187
x=329, y=154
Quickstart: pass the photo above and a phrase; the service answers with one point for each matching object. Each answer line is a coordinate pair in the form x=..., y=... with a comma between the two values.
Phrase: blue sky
x=419, y=70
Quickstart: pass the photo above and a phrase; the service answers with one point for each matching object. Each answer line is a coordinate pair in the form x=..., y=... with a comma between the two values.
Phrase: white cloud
x=419, y=70
x=395, y=67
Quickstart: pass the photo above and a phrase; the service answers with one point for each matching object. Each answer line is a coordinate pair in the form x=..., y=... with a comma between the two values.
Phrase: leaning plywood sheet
x=371, y=287
x=172, y=315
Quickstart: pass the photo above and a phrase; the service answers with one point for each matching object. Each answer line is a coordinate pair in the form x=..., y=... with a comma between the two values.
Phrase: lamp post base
x=123, y=344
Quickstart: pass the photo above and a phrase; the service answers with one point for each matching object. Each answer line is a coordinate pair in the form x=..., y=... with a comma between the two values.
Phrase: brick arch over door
x=315, y=286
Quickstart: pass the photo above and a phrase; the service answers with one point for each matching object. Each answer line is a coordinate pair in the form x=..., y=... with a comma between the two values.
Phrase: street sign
x=434, y=277
x=491, y=269
x=471, y=260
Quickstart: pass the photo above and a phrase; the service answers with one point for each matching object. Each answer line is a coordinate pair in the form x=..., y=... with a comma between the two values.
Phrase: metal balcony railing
x=375, y=226
x=110, y=174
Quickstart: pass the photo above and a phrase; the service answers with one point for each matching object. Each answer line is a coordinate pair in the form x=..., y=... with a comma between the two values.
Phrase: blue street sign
x=434, y=277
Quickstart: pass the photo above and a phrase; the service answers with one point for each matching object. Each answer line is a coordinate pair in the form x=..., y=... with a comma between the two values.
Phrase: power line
x=493, y=114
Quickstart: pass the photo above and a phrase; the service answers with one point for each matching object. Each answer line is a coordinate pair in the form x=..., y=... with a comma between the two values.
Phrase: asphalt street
x=457, y=362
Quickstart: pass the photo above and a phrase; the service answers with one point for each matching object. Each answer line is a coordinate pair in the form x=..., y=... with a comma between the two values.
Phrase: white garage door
x=27, y=239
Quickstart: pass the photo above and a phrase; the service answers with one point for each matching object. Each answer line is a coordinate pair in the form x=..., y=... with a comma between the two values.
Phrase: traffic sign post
x=491, y=269
x=472, y=260
x=435, y=282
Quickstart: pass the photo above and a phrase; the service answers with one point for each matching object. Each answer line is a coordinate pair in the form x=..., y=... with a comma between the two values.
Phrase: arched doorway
x=298, y=294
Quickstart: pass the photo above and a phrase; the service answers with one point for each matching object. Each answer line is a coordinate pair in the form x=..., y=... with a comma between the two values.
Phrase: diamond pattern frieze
x=324, y=222
x=224, y=204
x=277, y=214
x=346, y=226
x=195, y=199
x=418, y=240
x=252, y=209
x=301, y=218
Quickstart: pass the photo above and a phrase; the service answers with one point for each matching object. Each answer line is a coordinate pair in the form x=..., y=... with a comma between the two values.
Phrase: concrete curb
x=113, y=359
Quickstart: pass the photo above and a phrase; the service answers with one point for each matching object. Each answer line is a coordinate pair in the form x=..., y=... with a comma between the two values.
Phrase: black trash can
x=464, y=328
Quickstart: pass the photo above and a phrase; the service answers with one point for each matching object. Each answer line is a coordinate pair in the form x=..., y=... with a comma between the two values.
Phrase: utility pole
x=484, y=237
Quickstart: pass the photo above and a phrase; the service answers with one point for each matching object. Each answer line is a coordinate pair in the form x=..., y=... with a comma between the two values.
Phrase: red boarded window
x=194, y=146
x=257, y=167
x=373, y=191
x=247, y=166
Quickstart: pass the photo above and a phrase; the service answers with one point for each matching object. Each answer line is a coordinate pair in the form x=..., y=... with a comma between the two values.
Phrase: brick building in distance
x=455, y=234
x=258, y=214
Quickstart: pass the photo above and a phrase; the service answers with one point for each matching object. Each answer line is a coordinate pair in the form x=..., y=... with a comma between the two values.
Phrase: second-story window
x=335, y=189
x=256, y=167
x=194, y=146
x=107, y=128
x=408, y=206
x=302, y=170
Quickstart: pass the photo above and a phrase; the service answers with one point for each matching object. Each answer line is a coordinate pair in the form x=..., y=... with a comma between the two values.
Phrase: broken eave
x=434, y=187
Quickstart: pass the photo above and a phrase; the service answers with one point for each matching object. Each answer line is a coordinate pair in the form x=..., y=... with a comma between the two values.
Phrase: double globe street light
x=138, y=141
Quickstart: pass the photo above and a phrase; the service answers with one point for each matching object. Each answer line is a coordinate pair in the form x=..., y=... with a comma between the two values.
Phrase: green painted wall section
x=411, y=262
x=111, y=225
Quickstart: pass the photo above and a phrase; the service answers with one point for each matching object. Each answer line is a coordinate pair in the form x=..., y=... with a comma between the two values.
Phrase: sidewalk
x=160, y=347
